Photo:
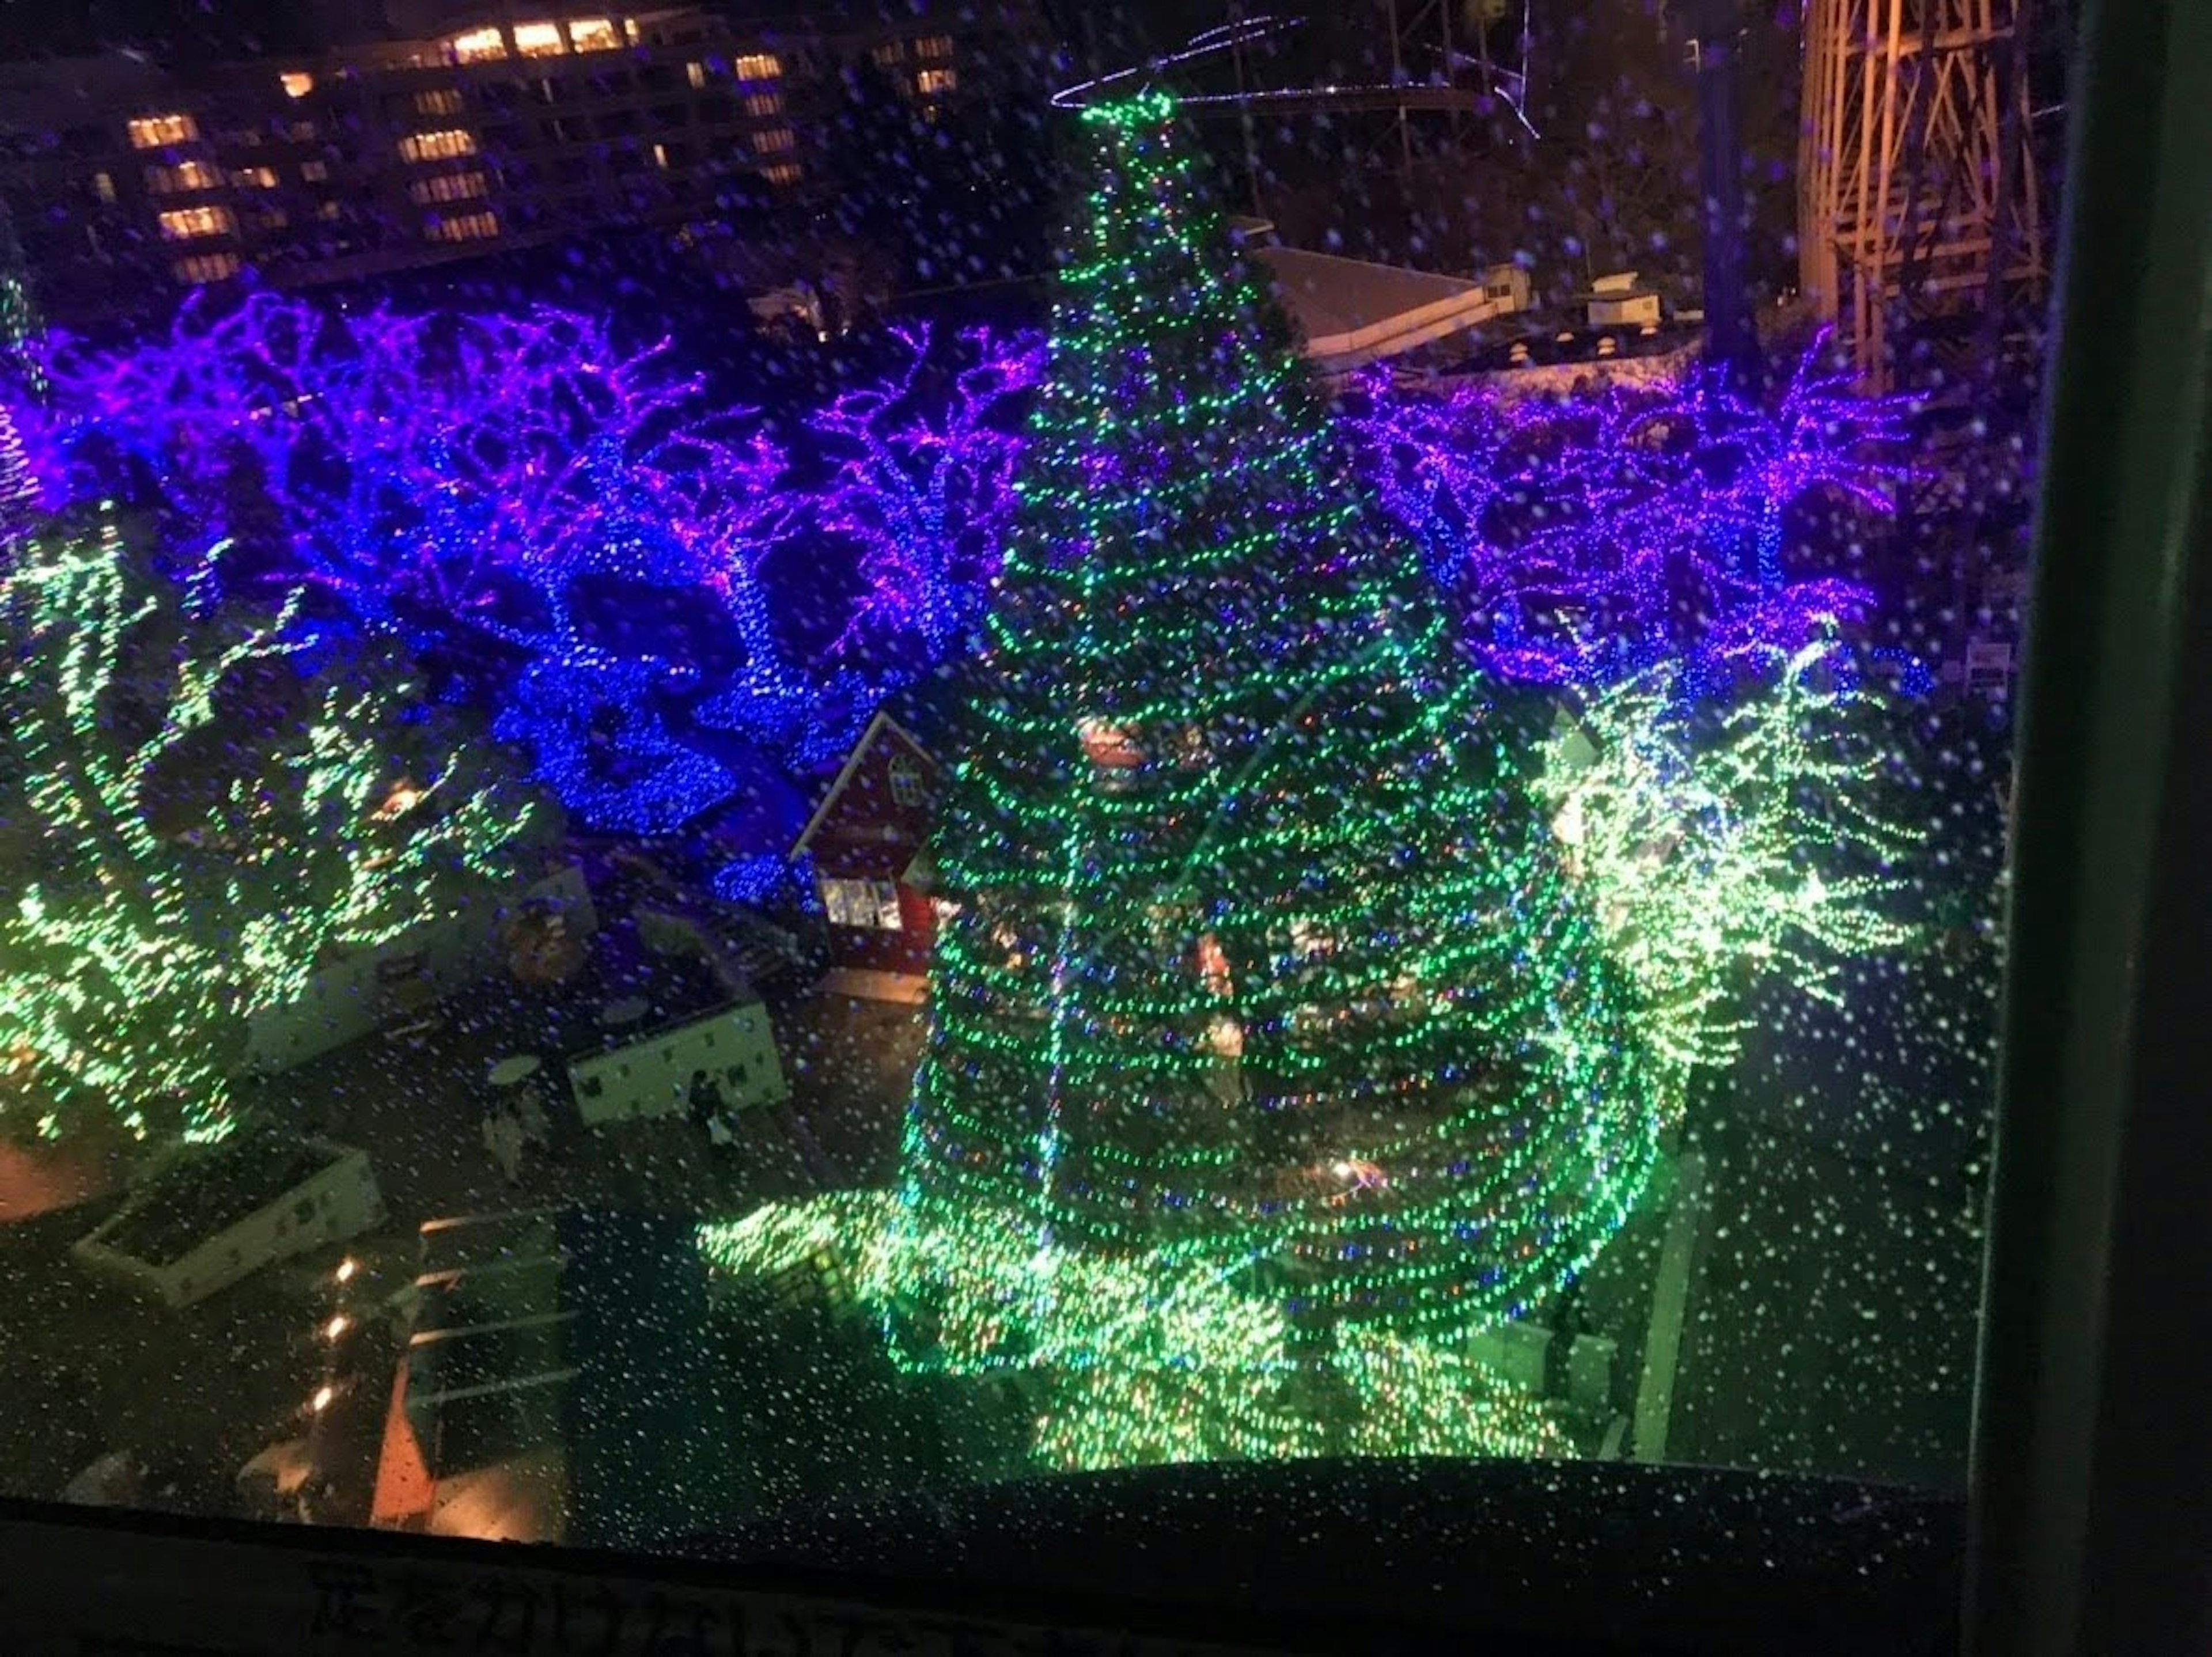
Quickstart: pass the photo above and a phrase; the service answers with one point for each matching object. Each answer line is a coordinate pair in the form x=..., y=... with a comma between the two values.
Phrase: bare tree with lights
x=150, y=918
x=1743, y=844
x=923, y=482
x=1593, y=536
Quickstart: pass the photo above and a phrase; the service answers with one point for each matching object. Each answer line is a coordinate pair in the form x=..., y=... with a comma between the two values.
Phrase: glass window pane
x=1300, y=757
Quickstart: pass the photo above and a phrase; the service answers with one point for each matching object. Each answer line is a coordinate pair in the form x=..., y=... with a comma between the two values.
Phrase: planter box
x=208, y=1219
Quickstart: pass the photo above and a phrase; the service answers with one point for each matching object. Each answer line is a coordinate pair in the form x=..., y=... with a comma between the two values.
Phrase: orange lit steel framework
x=1918, y=194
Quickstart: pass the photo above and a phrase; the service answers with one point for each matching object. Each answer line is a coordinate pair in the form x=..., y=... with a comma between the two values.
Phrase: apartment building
x=514, y=126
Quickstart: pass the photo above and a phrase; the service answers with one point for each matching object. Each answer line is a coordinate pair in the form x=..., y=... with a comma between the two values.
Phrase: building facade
x=511, y=126
x=867, y=847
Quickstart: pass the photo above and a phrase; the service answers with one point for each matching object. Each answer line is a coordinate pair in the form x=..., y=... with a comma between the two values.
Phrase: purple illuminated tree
x=516, y=479
x=1591, y=536
x=410, y=461
x=923, y=483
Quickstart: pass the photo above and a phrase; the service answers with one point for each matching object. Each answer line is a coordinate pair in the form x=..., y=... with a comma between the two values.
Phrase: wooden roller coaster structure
x=1919, y=197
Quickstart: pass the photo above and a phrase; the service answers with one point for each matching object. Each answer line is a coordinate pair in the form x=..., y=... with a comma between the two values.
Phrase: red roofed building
x=868, y=840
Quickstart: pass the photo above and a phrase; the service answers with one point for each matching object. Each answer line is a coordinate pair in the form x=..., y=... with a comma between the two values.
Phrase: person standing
x=537, y=1131
x=705, y=1099
x=503, y=1137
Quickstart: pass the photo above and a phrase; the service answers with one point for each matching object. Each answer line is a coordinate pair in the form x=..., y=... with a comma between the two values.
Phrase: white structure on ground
x=368, y=989
x=1615, y=301
x=1352, y=312
x=651, y=1074
x=210, y=1217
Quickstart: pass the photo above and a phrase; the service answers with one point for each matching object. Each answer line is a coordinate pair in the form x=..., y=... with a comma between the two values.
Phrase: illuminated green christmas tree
x=192, y=825
x=1301, y=1013
x=19, y=490
x=1263, y=972
x=20, y=326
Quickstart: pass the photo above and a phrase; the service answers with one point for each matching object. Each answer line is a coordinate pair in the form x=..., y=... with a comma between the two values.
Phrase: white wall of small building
x=340, y=1200
x=736, y=1047
x=347, y=999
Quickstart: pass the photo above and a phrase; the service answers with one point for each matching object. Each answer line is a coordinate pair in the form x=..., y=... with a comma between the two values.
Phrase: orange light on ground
x=402, y=798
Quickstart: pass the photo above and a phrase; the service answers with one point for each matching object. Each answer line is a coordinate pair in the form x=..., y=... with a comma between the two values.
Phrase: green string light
x=1706, y=846
x=132, y=956
x=1271, y=1051
x=21, y=329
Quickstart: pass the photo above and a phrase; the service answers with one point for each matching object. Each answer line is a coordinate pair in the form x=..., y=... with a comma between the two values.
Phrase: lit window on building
x=183, y=223
x=660, y=156
x=184, y=175
x=891, y=52
x=933, y=46
x=872, y=904
x=329, y=210
x=593, y=34
x=778, y=141
x=695, y=73
x=906, y=783
x=464, y=226
x=297, y=83
x=438, y=146
x=539, y=40
x=787, y=174
x=759, y=66
x=206, y=267
x=152, y=132
x=449, y=187
x=103, y=186
x=438, y=100
x=314, y=172
x=764, y=104
x=254, y=177
x=929, y=81
x=478, y=45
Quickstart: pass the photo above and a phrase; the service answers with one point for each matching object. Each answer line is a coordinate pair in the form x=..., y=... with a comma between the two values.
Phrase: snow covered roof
x=1353, y=312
